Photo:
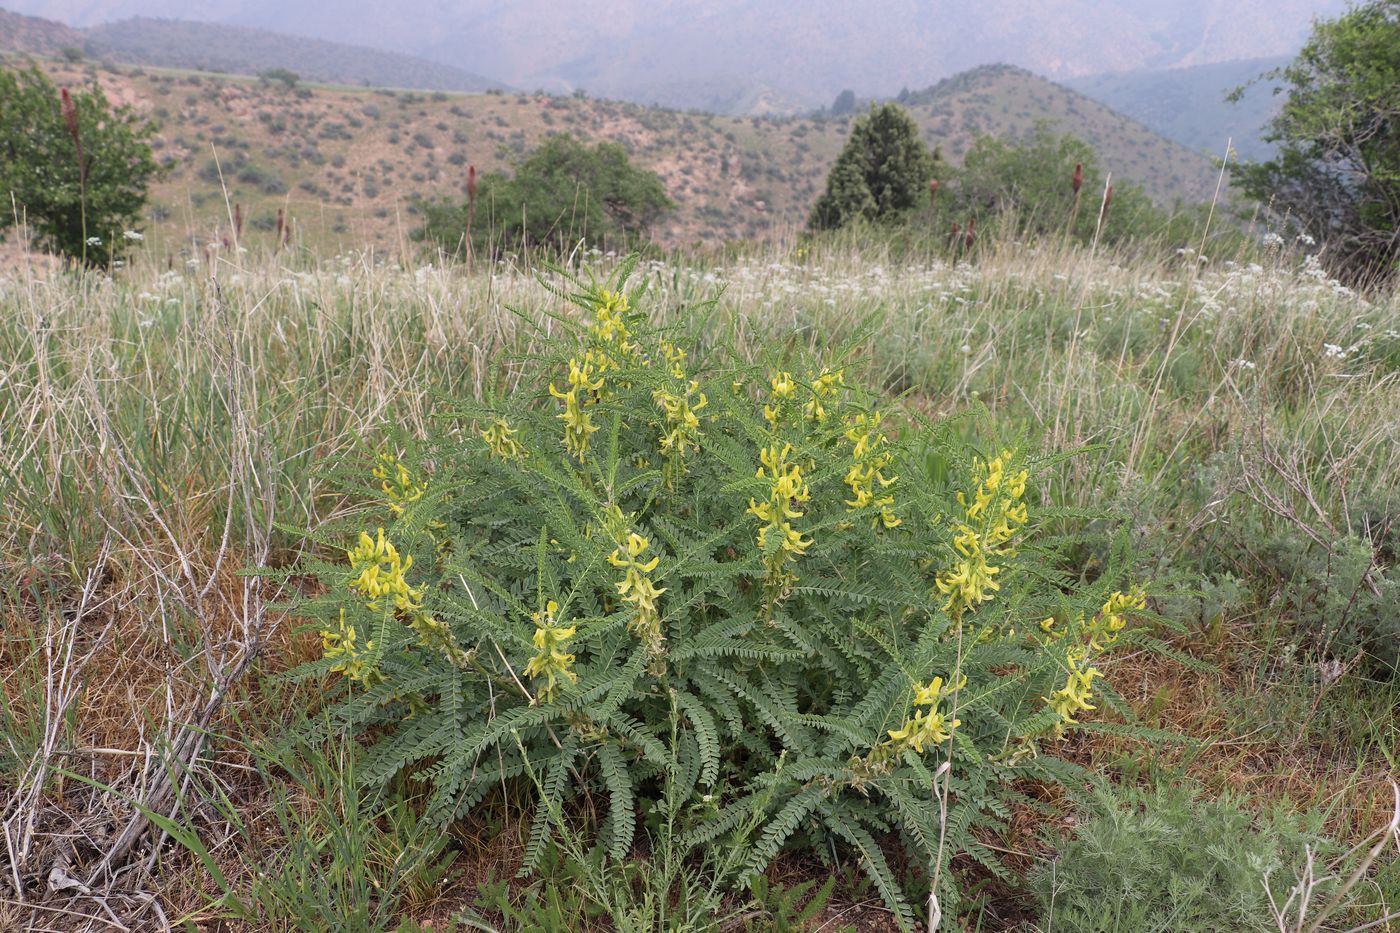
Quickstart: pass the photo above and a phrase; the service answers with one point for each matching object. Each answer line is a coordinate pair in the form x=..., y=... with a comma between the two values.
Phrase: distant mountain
x=803, y=53
x=34, y=36
x=1005, y=101
x=173, y=43
x=1188, y=104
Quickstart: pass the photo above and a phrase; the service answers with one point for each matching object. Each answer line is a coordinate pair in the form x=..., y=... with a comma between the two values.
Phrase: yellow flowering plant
x=738, y=581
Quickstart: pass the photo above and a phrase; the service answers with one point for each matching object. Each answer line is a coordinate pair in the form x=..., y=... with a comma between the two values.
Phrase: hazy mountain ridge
x=1189, y=105
x=33, y=35
x=801, y=52
x=203, y=46
x=240, y=50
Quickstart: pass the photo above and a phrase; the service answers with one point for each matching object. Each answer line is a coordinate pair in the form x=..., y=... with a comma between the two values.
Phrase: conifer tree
x=881, y=175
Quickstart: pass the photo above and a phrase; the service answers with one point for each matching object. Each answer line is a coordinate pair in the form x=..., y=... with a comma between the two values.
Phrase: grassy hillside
x=347, y=163
x=1238, y=416
x=1188, y=105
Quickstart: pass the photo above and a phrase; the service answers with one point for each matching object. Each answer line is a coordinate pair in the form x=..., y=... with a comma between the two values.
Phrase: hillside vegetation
x=347, y=164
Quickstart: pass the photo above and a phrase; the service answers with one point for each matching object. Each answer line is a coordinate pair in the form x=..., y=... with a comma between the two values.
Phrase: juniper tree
x=881, y=175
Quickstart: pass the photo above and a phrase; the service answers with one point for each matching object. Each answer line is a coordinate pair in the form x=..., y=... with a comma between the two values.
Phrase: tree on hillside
x=881, y=175
x=1027, y=188
x=1337, y=172
x=563, y=192
x=73, y=169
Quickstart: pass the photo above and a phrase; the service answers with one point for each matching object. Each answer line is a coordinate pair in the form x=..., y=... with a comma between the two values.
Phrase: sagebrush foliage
x=752, y=587
x=1158, y=860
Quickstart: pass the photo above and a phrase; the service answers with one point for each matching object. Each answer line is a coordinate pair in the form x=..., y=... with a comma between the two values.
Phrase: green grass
x=165, y=428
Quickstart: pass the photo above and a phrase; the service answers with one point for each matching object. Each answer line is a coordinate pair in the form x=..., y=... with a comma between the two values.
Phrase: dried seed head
x=471, y=182
x=932, y=188
x=1107, y=197
x=238, y=219
x=971, y=231
x=70, y=114
x=1077, y=181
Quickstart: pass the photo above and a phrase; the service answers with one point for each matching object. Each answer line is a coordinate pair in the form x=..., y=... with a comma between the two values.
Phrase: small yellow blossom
x=500, y=440
x=637, y=590
x=1074, y=696
x=551, y=661
x=923, y=726
x=826, y=389
x=682, y=427
x=992, y=518
x=787, y=491
x=339, y=644
x=783, y=389
x=871, y=457
x=379, y=572
x=585, y=384
x=397, y=482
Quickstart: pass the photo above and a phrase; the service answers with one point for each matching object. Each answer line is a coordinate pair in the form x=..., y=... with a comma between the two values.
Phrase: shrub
x=1337, y=171
x=644, y=573
x=1160, y=860
x=1028, y=185
x=77, y=168
x=562, y=192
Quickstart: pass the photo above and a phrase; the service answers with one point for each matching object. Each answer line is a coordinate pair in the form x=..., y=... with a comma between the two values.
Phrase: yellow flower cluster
x=990, y=521
x=826, y=387
x=1098, y=635
x=928, y=726
x=784, y=389
x=675, y=358
x=397, y=482
x=585, y=384
x=500, y=440
x=786, y=491
x=638, y=591
x=609, y=328
x=1074, y=696
x=682, y=427
x=380, y=573
x=871, y=456
x=340, y=645
x=1113, y=618
x=551, y=661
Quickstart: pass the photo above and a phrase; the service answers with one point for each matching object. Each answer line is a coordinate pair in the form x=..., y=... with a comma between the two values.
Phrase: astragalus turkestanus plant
x=643, y=569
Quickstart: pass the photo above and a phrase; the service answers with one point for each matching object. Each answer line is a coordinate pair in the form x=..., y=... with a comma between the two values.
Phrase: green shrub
x=1144, y=861
x=76, y=172
x=645, y=575
x=563, y=192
